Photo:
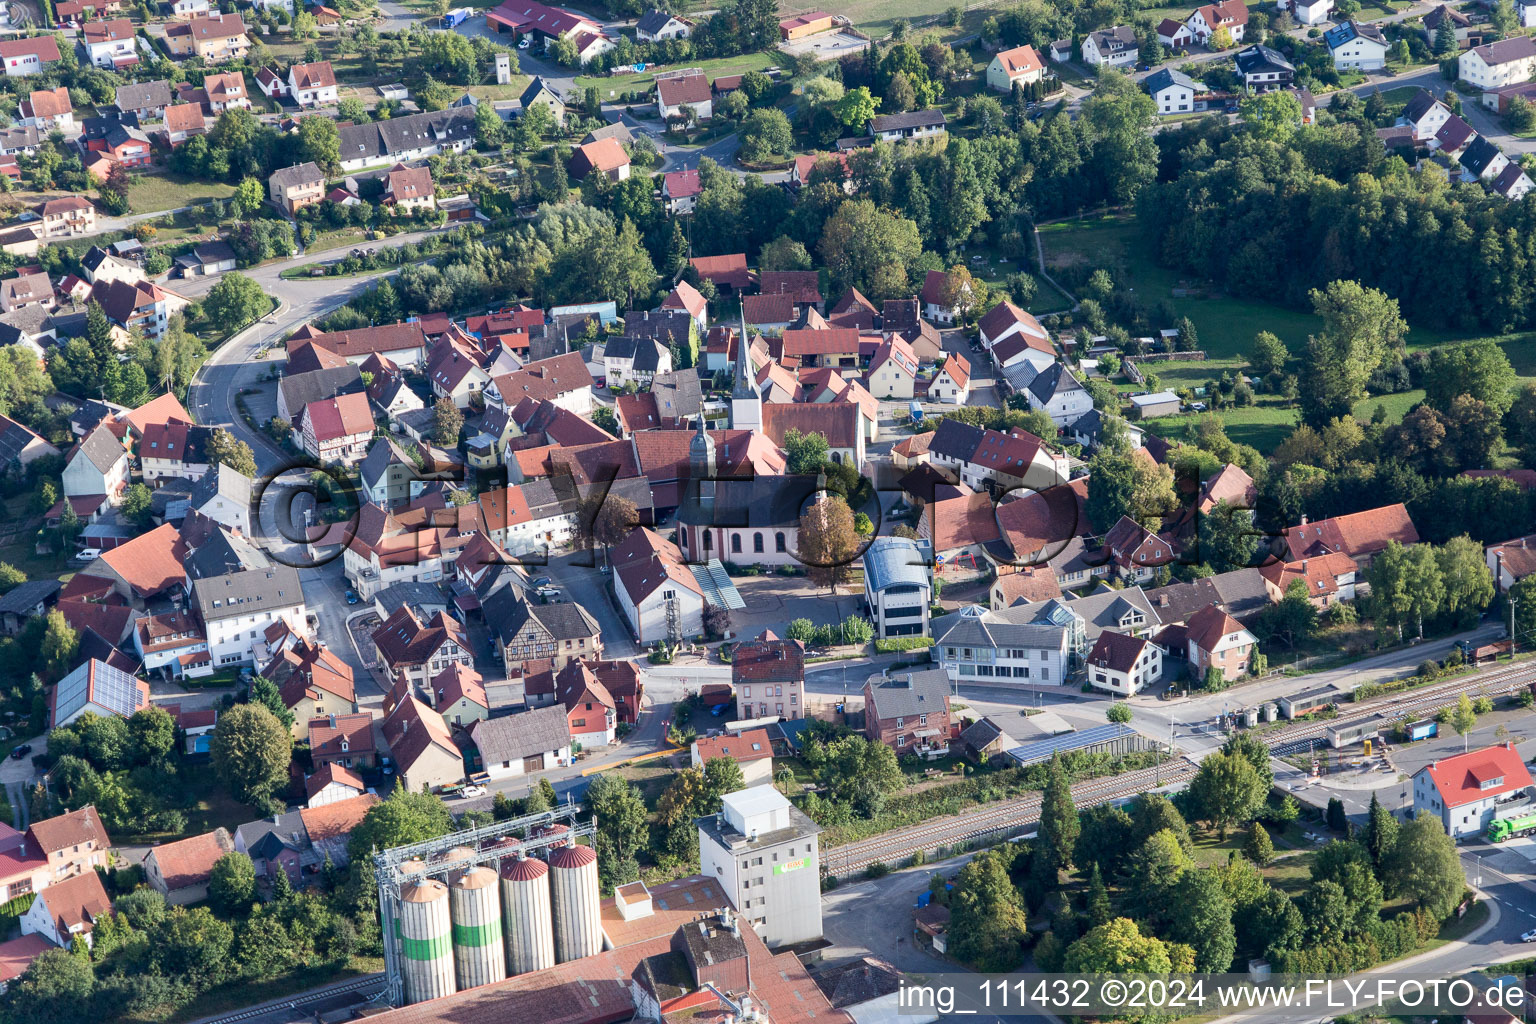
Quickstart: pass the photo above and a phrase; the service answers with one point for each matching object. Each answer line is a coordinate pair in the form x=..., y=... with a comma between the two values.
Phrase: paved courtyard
x=773, y=601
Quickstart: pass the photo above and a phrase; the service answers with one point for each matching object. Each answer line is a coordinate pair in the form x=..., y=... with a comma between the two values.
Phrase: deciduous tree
x=251, y=751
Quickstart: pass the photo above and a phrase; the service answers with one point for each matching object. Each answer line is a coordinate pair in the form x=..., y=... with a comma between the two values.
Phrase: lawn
x=1226, y=324
x=153, y=193
x=610, y=84
x=1291, y=873
x=1264, y=426
x=1397, y=406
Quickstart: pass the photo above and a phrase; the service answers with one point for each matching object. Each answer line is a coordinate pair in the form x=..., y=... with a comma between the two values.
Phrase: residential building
x=180, y=871
x=225, y=92
x=654, y=26
x=558, y=633
x=312, y=85
x=1494, y=65
x=458, y=694
x=414, y=651
x=26, y=290
x=1211, y=638
x=407, y=139
x=71, y=215
x=1511, y=561
x=1013, y=335
x=110, y=44
x=1360, y=535
x=47, y=110
x=892, y=370
x=913, y=124
x=993, y=461
x=410, y=188
x=1057, y=393
x=65, y=846
x=344, y=741
x=1020, y=65
x=99, y=465
x=524, y=743
x=172, y=642
x=768, y=674
x=1115, y=47
x=591, y=711
x=1262, y=69
x=908, y=711
x=29, y=56
x=216, y=38
x=1017, y=644
x=331, y=784
x=1329, y=578
x=275, y=844
x=538, y=93
x=1124, y=664
x=751, y=749
x=239, y=607
x=898, y=585
x=422, y=747
x=656, y=591
x=1206, y=21
x=293, y=188
x=684, y=93
x=1306, y=12
x=605, y=156
x=762, y=851
x=1172, y=90
x=680, y=192
x=629, y=359
x=1356, y=46
x=952, y=384
x=336, y=430
x=313, y=681
x=67, y=909
x=1465, y=791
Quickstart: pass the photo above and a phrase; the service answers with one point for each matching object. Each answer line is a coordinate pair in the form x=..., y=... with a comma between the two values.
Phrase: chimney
x=1304, y=566
x=333, y=721
x=1303, y=519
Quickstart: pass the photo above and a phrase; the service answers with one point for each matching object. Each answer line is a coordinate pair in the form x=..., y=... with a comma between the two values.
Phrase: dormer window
x=1493, y=783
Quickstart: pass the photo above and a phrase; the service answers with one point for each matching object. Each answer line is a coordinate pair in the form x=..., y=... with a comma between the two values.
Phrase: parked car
x=351, y=597
x=21, y=752
x=540, y=582
x=470, y=792
x=717, y=710
x=1529, y=936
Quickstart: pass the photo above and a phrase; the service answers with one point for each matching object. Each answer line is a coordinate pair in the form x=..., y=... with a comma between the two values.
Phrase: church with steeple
x=746, y=396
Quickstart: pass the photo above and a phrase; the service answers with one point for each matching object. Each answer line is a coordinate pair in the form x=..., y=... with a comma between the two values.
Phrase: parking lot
x=827, y=45
x=774, y=601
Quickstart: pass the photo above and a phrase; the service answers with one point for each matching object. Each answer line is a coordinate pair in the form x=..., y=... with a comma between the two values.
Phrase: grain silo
x=478, y=956
x=448, y=856
x=526, y=919
x=426, y=938
x=578, y=913
x=543, y=831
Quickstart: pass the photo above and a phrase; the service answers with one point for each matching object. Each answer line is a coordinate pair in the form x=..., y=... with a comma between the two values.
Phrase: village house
x=656, y=591
x=293, y=188
x=331, y=784
x=1494, y=65
x=909, y=711
x=1112, y=47
x=236, y=608
x=1019, y=66
x=892, y=370
x=47, y=110
x=344, y=741
x=952, y=383
x=1360, y=535
x=1206, y=21
x=71, y=215
x=751, y=749
x=312, y=85
x=654, y=26
x=1172, y=90
x=216, y=38
x=1464, y=791
x=410, y=188
x=422, y=747
x=28, y=56
x=522, y=744
x=416, y=652
x=605, y=156
x=768, y=675
x=336, y=429
x=180, y=871
x=225, y=92
x=1211, y=639
x=313, y=682
x=110, y=44
x=684, y=93
x=907, y=126
x=1262, y=69
x=145, y=100
x=1123, y=664
x=1356, y=46
x=1328, y=578
x=68, y=909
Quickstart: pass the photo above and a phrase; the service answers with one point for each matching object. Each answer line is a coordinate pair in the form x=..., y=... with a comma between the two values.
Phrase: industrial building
x=504, y=922
x=763, y=850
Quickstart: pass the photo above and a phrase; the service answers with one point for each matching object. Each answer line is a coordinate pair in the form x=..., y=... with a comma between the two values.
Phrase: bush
x=1429, y=669
x=1482, y=705
x=879, y=869
x=828, y=883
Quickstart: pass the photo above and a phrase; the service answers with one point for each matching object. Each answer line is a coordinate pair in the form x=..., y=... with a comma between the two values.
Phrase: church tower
x=701, y=465
x=746, y=399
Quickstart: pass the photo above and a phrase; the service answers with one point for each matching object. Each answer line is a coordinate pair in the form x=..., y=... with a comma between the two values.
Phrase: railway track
x=1003, y=820
x=1294, y=738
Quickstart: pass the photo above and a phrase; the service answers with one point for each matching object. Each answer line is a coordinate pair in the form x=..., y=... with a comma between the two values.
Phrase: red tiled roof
x=72, y=828
x=189, y=862
x=835, y=421
x=46, y=48
x=328, y=732
x=1461, y=779
x=1320, y=573
x=333, y=820
x=342, y=416
x=1020, y=59
x=332, y=772
x=150, y=563
x=1116, y=651
x=730, y=269
x=1207, y=626
x=313, y=76
x=459, y=681
x=768, y=659
x=752, y=745
x=688, y=88
x=603, y=155
x=77, y=901
x=1230, y=484
x=645, y=560
x=961, y=521
x=183, y=117
x=1356, y=535
x=958, y=369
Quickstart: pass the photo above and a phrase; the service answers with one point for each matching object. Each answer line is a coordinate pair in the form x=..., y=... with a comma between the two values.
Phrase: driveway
x=17, y=777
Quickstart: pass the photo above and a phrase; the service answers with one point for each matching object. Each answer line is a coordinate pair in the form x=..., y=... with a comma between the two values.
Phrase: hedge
x=889, y=645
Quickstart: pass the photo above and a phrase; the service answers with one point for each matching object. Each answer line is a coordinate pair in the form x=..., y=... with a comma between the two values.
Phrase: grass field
x=151, y=193
x=713, y=68
x=1226, y=324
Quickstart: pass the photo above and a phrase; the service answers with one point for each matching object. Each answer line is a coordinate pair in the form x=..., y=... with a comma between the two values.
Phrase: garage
x=533, y=763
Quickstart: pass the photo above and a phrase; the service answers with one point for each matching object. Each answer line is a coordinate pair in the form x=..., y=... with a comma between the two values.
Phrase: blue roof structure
x=1043, y=750
x=716, y=585
x=892, y=561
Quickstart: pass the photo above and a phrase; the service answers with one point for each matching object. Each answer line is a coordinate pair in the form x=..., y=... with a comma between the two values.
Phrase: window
x=778, y=542
x=746, y=691
x=709, y=541
x=736, y=543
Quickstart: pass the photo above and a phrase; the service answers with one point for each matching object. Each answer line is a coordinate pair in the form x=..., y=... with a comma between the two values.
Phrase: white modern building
x=898, y=585
x=1464, y=791
x=763, y=852
x=984, y=645
x=237, y=608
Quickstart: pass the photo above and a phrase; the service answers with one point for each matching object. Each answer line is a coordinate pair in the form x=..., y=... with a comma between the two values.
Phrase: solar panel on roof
x=1042, y=750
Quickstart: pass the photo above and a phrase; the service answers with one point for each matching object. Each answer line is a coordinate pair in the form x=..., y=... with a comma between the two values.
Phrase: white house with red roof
x=952, y=384
x=1360, y=535
x=656, y=591
x=752, y=750
x=892, y=369
x=680, y=190
x=28, y=56
x=337, y=429
x=1464, y=791
x=1013, y=335
x=332, y=783
x=688, y=88
x=312, y=85
x=71, y=907
x=1231, y=15
x=1019, y=66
